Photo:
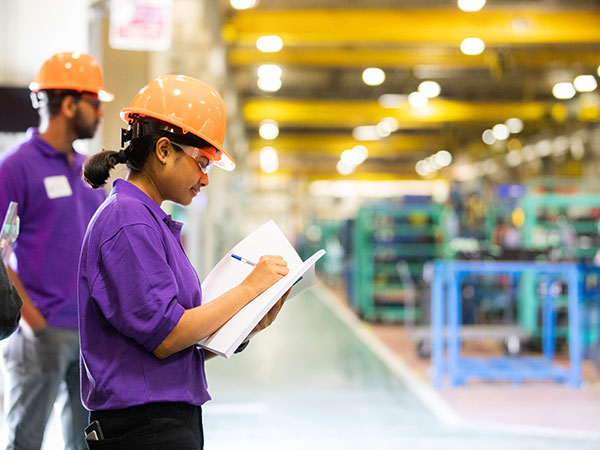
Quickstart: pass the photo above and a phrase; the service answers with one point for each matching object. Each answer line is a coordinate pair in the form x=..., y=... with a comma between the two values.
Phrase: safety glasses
x=199, y=155
x=95, y=103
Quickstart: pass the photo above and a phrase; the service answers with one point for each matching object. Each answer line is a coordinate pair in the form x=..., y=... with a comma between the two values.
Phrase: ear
x=68, y=106
x=162, y=149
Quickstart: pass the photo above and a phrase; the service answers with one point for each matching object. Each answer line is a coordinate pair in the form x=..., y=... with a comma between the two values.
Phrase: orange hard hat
x=188, y=104
x=73, y=71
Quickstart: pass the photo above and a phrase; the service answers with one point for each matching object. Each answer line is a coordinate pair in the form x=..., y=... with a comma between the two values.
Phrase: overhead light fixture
x=269, y=44
x=514, y=125
x=268, y=129
x=373, y=76
x=471, y=5
x=429, y=89
x=365, y=133
x=488, y=137
x=443, y=158
x=344, y=168
x=354, y=156
x=383, y=129
x=563, y=91
x=585, y=83
x=472, y=46
x=501, y=132
x=269, y=77
x=391, y=122
x=423, y=168
x=269, y=71
x=243, y=4
x=269, y=161
x=269, y=84
x=417, y=100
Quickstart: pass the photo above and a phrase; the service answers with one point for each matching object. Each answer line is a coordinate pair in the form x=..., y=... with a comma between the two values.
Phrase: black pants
x=154, y=426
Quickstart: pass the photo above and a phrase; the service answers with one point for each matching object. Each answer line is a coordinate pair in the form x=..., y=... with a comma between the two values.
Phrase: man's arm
x=29, y=313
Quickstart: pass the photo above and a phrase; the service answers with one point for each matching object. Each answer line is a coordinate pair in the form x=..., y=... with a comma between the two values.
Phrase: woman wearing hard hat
x=140, y=300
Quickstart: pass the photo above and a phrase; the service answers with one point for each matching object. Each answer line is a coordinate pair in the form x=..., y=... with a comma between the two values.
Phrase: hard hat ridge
x=71, y=71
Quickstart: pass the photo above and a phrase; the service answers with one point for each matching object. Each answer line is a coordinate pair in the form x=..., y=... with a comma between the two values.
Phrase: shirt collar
x=47, y=149
x=125, y=187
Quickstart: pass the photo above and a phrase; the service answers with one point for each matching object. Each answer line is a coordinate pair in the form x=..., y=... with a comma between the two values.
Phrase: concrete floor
x=319, y=379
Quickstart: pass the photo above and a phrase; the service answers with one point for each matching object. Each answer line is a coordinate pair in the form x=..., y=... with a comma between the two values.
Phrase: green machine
x=567, y=225
x=384, y=236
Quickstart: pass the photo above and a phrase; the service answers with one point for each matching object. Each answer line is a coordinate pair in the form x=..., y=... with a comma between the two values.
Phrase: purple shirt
x=55, y=206
x=135, y=281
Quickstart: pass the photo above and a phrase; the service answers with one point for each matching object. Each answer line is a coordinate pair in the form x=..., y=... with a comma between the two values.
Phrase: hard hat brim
x=103, y=95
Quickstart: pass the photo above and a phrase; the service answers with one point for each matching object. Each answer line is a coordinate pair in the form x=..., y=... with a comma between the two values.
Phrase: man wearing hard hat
x=43, y=175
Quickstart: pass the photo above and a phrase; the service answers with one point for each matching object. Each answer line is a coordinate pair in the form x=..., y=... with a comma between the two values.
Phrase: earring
x=164, y=161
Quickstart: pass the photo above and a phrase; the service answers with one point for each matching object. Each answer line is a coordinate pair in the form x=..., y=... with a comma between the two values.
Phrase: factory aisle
x=311, y=382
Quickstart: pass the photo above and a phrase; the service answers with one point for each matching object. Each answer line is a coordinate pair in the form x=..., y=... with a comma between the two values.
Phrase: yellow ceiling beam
x=323, y=114
x=333, y=145
x=360, y=57
x=450, y=27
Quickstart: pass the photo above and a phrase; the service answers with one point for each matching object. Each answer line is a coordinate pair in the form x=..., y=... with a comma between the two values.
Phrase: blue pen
x=242, y=259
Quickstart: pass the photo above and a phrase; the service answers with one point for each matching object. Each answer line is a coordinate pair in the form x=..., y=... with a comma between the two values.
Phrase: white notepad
x=268, y=239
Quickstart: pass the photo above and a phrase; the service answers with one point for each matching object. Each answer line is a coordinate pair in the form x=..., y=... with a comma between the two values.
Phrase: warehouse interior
x=444, y=153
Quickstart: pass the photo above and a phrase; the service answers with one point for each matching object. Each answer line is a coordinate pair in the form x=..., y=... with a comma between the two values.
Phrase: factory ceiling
x=530, y=46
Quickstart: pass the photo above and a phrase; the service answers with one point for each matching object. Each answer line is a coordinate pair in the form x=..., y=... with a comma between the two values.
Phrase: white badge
x=57, y=186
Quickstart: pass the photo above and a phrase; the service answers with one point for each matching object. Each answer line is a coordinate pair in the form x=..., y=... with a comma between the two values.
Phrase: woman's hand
x=269, y=270
x=272, y=314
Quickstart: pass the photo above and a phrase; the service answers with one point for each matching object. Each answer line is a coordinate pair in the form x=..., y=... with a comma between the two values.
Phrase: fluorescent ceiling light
x=268, y=129
x=269, y=71
x=563, y=91
x=344, y=168
x=429, y=89
x=269, y=161
x=585, y=83
x=472, y=46
x=365, y=133
x=514, y=125
x=501, y=132
x=269, y=84
x=373, y=76
x=269, y=44
x=417, y=100
x=243, y=4
x=471, y=5
x=488, y=137
x=354, y=156
x=443, y=158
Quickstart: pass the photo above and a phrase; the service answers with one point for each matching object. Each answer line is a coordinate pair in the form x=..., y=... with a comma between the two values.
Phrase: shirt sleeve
x=10, y=305
x=13, y=185
x=136, y=289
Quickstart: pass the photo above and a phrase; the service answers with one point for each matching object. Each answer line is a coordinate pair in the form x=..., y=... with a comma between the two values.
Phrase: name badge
x=57, y=186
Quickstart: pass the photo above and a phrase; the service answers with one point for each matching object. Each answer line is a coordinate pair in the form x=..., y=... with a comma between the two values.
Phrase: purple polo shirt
x=55, y=206
x=135, y=281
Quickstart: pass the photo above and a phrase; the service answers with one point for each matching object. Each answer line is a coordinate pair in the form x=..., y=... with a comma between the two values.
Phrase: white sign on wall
x=140, y=24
